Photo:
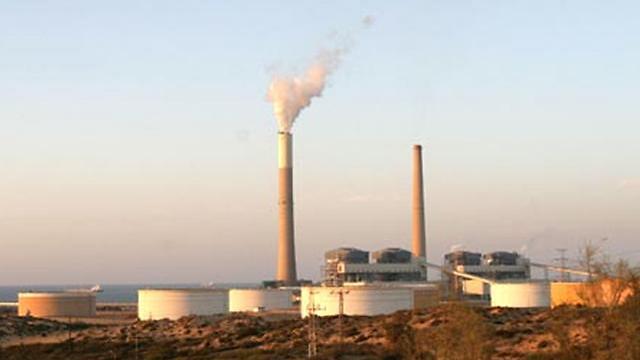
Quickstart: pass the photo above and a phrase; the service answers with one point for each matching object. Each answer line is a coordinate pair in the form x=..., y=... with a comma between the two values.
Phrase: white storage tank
x=172, y=304
x=357, y=300
x=521, y=294
x=57, y=304
x=259, y=299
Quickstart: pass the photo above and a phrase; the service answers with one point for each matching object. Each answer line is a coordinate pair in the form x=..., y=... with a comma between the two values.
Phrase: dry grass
x=451, y=331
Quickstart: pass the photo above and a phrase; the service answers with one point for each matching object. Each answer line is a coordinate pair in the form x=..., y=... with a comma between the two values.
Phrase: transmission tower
x=564, y=276
x=340, y=294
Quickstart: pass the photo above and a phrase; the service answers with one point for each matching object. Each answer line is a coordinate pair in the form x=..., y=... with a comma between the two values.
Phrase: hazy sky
x=136, y=144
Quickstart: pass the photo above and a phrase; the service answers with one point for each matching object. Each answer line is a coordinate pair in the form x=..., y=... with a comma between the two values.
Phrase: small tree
x=608, y=282
x=614, y=288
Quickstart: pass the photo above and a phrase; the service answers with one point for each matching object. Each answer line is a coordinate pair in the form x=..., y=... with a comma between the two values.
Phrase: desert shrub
x=630, y=323
x=160, y=351
x=246, y=331
x=400, y=337
x=462, y=335
x=560, y=328
x=347, y=351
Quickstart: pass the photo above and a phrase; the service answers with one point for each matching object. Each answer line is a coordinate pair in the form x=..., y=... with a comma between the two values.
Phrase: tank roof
x=56, y=294
x=185, y=289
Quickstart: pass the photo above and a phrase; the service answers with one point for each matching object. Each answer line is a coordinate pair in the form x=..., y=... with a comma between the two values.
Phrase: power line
x=564, y=276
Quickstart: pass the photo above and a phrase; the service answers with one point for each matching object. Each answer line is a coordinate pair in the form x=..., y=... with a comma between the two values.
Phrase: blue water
x=110, y=293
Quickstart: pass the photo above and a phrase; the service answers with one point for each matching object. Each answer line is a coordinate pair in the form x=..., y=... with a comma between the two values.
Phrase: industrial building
x=496, y=266
x=63, y=304
x=347, y=264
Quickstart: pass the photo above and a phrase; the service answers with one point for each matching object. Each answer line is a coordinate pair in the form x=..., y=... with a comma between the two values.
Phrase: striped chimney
x=286, y=271
x=418, y=233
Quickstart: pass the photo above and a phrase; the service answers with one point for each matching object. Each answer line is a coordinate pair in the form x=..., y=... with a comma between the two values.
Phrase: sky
x=136, y=144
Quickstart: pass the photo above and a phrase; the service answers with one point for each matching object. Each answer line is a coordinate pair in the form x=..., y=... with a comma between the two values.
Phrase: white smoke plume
x=289, y=94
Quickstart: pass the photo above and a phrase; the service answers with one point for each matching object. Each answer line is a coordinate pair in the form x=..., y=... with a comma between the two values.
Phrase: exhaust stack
x=419, y=241
x=286, y=271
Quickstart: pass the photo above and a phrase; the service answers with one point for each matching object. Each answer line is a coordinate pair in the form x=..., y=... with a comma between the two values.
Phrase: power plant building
x=344, y=265
x=495, y=266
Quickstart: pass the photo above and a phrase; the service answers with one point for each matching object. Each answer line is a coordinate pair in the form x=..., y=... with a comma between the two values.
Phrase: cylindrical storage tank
x=57, y=304
x=259, y=299
x=172, y=304
x=356, y=300
x=521, y=295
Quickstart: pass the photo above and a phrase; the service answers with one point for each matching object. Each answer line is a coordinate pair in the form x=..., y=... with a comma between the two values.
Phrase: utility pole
x=135, y=339
x=564, y=276
x=313, y=335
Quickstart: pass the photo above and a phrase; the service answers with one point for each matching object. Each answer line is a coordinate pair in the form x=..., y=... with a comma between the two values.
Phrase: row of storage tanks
x=322, y=301
x=158, y=303
x=155, y=304
x=363, y=300
x=173, y=304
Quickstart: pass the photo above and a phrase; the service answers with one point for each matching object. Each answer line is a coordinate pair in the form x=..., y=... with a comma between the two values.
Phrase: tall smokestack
x=286, y=247
x=419, y=242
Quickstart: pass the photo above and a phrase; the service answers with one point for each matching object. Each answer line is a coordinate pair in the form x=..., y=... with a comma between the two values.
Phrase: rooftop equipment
x=392, y=256
x=500, y=258
x=348, y=255
x=460, y=257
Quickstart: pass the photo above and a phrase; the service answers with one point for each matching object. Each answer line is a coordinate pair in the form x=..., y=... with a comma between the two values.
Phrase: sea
x=112, y=293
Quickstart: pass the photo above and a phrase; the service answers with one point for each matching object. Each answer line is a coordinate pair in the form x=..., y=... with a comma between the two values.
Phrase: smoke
x=289, y=94
x=456, y=247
